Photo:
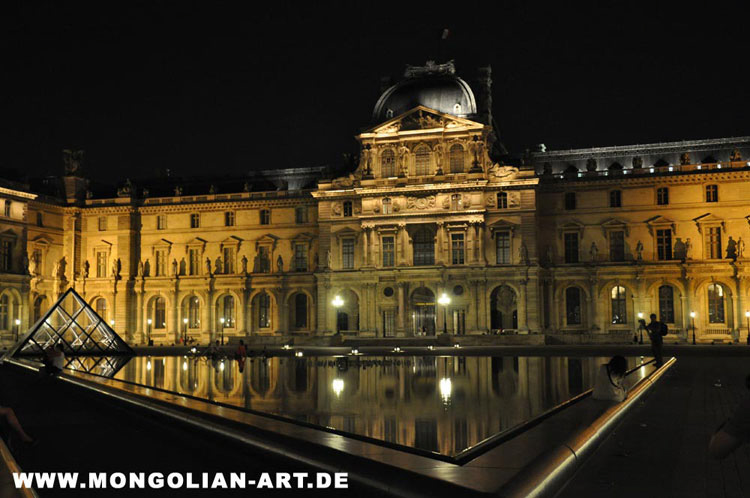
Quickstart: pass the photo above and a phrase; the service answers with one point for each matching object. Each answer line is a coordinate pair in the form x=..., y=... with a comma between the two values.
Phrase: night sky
x=212, y=89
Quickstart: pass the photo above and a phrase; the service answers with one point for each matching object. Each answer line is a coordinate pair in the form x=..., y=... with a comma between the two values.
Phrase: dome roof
x=434, y=86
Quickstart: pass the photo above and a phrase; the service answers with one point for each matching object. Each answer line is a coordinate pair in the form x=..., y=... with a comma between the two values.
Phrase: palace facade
x=437, y=229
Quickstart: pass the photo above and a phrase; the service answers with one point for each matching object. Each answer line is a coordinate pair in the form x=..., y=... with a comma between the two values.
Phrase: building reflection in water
x=440, y=404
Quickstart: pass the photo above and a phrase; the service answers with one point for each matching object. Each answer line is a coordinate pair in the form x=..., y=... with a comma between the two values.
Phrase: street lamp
x=148, y=332
x=692, y=319
x=184, y=331
x=747, y=316
x=445, y=301
x=337, y=303
x=221, y=320
x=18, y=326
x=640, y=327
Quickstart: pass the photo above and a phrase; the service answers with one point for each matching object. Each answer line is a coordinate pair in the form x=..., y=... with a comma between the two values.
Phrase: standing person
x=609, y=378
x=656, y=332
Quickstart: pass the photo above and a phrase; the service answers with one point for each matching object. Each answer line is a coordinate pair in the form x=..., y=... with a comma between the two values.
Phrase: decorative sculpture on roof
x=212, y=189
x=246, y=187
x=740, y=248
x=503, y=172
x=126, y=190
x=637, y=162
x=343, y=181
x=736, y=155
x=684, y=158
x=591, y=164
x=73, y=161
x=178, y=190
x=430, y=68
x=546, y=169
x=403, y=158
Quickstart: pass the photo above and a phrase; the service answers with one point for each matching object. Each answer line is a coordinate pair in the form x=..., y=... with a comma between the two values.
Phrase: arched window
x=422, y=161
x=100, y=306
x=619, y=309
x=424, y=248
x=4, y=313
x=300, y=311
x=502, y=200
x=573, y=305
x=160, y=313
x=387, y=206
x=194, y=312
x=457, y=158
x=388, y=163
x=666, y=304
x=264, y=310
x=715, y=303
x=227, y=311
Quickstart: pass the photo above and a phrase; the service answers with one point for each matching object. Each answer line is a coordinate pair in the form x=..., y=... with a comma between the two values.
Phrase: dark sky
x=210, y=88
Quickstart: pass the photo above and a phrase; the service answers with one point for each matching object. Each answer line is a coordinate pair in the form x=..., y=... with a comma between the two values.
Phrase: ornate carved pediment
x=615, y=224
x=421, y=202
x=423, y=118
x=231, y=241
x=41, y=240
x=267, y=239
x=346, y=232
x=571, y=226
x=660, y=222
x=708, y=219
x=498, y=172
x=502, y=225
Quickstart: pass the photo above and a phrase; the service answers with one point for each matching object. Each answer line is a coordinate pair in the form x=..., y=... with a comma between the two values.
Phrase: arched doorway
x=423, y=311
x=503, y=312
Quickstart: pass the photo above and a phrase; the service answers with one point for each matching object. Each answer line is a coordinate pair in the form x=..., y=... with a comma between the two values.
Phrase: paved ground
x=660, y=450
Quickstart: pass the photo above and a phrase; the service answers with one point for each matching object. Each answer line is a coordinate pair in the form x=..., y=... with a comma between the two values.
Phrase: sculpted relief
x=427, y=202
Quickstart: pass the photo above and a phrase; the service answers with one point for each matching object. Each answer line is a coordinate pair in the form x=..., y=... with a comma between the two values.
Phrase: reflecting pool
x=442, y=404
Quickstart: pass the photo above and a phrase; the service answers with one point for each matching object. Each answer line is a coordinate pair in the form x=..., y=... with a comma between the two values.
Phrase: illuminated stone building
x=437, y=228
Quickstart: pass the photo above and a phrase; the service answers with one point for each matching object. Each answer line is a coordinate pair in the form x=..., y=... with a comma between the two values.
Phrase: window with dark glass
x=194, y=312
x=300, y=310
x=388, y=163
x=264, y=260
x=195, y=220
x=229, y=219
x=502, y=248
x=7, y=208
x=617, y=245
x=194, y=263
x=573, y=305
x=712, y=193
x=389, y=323
x=228, y=260
x=662, y=196
x=160, y=313
x=502, y=200
x=615, y=198
x=228, y=311
x=102, y=223
x=619, y=309
x=265, y=216
x=39, y=219
x=571, y=247
x=715, y=303
x=300, y=215
x=300, y=257
x=101, y=308
x=388, y=251
x=457, y=248
x=4, y=312
x=264, y=310
x=422, y=161
x=160, y=268
x=347, y=208
x=161, y=222
x=6, y=253
x=101, y=264
x=570, y=200
x=347, y=254
x=387, y=206
x=664, y=244
x=424, y=248
x=713, y=242
x=666, y=304
x=457, y=158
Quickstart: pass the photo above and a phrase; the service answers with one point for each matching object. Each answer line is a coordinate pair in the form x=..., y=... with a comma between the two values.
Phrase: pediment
x=195, y=241
x=708, y=219
x=502, y=225
x=267, y=239
x=9, y=234
x=424, y=118
x=615, y=224
x=571, y=226
x=660, y=221
x=163, y=243
x=232, y=240
x=303, y=236
x=346, y=232
x=42, y=240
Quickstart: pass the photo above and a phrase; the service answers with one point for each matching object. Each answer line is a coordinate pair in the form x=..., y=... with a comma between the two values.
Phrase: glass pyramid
x=74, y=324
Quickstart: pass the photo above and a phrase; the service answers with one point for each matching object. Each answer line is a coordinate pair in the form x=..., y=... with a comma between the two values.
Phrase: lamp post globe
x=692, y=320
x=444, y=300
x=337, y=303
x=221, y=320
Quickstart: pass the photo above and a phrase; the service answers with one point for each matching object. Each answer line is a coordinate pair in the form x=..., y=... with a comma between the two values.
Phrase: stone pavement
x=661, y=448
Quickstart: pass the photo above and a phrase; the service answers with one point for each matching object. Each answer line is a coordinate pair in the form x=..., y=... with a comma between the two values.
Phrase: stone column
x=480, y=238
x=139, y=315
x=593, y=298
x=554, y=323
x=689, y=299
x=322, y=310
x=365, y=248
x=242, y=313
x=176, y=322
x=400, y=316
x=521, y=309
x=739, y=311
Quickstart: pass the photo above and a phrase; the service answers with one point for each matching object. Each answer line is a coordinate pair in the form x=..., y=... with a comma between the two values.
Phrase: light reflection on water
x=440, y=404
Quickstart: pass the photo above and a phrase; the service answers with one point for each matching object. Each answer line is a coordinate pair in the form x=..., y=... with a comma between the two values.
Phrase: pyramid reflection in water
x=74, y=324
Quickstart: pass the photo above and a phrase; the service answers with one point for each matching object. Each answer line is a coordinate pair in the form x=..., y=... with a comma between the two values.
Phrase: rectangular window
x=571, y=248
x=615, y=199
x=455, y=202
x=300, y=215
x=387, y=206
x=229, y=219
x=713, y=243
x=300, y=257
x=502, y=248
x=264, y=260
x=228, y=261
x=712, y=193
x=570, y=200
x=265, y=216
x=664, y=244
x=193, y=262
x=388, y=251
x=102, y=223
x=347, y=208
x=264, y=311
x=347, y=254
x=389, y=323
x=161, y=263
x=662, y=196
x=6, y=248
x=666, y=304
x=161, y=222
x=195, y=220
x=7, y=208
x=101, y=264
x=39, y=219
x=502, y=200
x=617, y=245
x=457, y=248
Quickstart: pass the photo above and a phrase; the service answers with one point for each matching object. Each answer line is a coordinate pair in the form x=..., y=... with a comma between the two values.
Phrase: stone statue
x=546, y=169
x=212, y=189
x=208, y=266
x=593, y=252
x=256, y=263
x=639, y=251
x=403, y=154
x=735, y=156
x=684, y=158
x=246, y=187
x=523, y=253
x=731, y=248
x=244, y=264
x=126, y=190
x=140, y=268
x=329, y=259
x=178, y=191
x=60, y=268
x=279, y=264
x=591, y=164
x=86, y=268
x=174, y=267
x=183, y=267
x=73, y=162
x=688, y=249
x=740, y=247
x=637, y=162
x=439, y=159
x=218, y=266
x=35, y=263
x=116, y=268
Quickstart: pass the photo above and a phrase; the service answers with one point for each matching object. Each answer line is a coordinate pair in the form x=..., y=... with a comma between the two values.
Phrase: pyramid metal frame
x=81, y=331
